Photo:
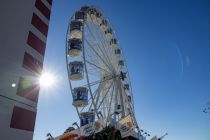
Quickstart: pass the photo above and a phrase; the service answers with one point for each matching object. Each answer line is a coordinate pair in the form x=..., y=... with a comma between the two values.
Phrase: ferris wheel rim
x=86, y=70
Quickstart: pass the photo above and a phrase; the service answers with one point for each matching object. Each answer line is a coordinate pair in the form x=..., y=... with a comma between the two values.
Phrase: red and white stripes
x=28, y=88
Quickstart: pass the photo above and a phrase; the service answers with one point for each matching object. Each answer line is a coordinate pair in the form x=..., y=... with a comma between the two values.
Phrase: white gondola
x=92, y=13
x=103, y=25
x=87, y=118
x=80, y=16
x=123, y=75
x=129, y=111
x=76, y=70
x=129, y=98
x=75, y=47
x=84, y=8
x=113, y=42
x=98, y=17
x=121, y=63
x=117, y=52
x=80, y=96
x=118, y=109
x=76, y=29
x=108, y=33
x=126, y=87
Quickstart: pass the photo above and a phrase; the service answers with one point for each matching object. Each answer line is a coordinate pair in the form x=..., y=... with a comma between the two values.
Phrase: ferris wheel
x=97, y=71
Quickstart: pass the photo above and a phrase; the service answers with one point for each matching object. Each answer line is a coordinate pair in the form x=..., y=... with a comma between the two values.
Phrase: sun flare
x=47, y=80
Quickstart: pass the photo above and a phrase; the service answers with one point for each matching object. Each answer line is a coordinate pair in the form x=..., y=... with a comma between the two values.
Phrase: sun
x=47, y=80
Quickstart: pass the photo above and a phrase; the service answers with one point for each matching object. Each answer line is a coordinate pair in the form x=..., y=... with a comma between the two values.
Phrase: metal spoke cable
x=87, y=77
x=100, y=50
x=105, y=94
x=107, y=99
x=106, y=57
x=99, y=81
x=103, y=46
x=102, y=37
x=92, y=57
x=95, y=64
x=92, y=54
x=94, y=94
x=110, y=103
x=98, y=67
x=98, y=55
x=99, y=95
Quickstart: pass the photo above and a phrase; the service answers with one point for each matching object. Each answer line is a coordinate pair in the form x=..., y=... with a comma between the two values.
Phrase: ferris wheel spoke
x=92, y=58
x=107, y=100
x=105, y=55
x=121, y=97
x=87, y=78
x=95, y=64
x=105, y=95
x=101, y=53
x=92, y=76
x=108, y=56
x=104, y=44
x=97, y=82
x=90, y=46
x=98, y=37
x=89, y=99
x=77, y=111
x=93, y=83
x=98, y=67
x=97, y=50
x=97, y=94
x=110, y=103
x=97, y=99
x=94, y=39
x=102, y=89
x=116, y=99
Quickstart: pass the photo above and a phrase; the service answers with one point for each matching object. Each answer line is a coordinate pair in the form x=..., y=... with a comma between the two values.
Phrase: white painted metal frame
x=102, y=74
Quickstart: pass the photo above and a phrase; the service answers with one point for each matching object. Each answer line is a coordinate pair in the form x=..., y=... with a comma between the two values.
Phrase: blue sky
x=167, y=49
